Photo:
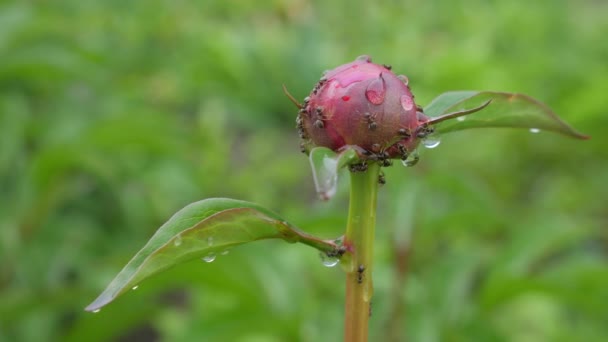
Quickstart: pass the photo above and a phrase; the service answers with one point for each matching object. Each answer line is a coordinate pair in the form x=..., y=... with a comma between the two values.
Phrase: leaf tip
x=98, y=303
x=577, y=135
x=583, y=136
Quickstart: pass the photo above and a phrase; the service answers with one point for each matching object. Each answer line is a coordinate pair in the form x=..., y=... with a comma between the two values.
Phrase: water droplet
x=345, y=98
x=406, y=102
x=96, y=310
x=135, y=287
x=325, y=175
x=534, y=130
x=461, y=118
x=376, y=90
x=404, y=79
x=411, y=160
x=339, y=241
x=431, y=141
x=364, y=58
x=225, y=252
x=328, y=261
x=210, y=241
x=209, y=257
x=177, y=241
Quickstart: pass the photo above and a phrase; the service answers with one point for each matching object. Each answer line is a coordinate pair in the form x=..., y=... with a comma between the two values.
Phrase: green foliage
x=494, y=110
x=115, y=114
x=203, y=229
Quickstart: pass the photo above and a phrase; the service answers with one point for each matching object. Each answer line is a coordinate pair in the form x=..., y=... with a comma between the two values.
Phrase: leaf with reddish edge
x=200, y=229
x=501, y=110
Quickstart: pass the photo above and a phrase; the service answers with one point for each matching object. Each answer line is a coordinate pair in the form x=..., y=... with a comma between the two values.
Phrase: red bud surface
x=363, y=105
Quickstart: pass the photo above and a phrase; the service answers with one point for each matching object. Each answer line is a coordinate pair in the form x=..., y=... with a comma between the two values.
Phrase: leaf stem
x=359, y=240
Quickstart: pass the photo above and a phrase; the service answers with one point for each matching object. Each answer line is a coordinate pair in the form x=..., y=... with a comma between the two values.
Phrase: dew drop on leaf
x=461, y=118
x=177, y=241
x=135, y=287
x=328, y=261
x=225, y=252
x=210, y=241
x=209, y=257
x=96, y=310
x=534, y=130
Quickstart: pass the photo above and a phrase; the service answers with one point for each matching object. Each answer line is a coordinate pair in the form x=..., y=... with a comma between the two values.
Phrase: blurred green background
x=115, y=114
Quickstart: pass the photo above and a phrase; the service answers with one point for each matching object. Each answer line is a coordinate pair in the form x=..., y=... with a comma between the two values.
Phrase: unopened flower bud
x=364, y=105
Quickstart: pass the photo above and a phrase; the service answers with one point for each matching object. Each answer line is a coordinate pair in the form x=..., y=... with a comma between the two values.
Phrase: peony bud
x=364, y=105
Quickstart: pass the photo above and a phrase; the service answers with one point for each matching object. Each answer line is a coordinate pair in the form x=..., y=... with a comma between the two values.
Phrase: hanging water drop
x=135, y=287
x=325, y=174
x=209, y=257
x=534, y=130
x=328, y=261
x=177, y=241
x=431, y=141
x=411, y=160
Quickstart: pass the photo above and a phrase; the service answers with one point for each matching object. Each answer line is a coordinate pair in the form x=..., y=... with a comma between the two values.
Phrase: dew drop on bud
x=375, y=91
x=177, y=241
x=411, y=160
x=431, y=141
x=364, y=58
x=209, y=257
x=406, y=102
x=328, y=261
x=404, y=79
x=534, y=130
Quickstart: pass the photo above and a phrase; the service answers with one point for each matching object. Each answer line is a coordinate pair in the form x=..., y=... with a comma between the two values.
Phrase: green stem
x=359, y=240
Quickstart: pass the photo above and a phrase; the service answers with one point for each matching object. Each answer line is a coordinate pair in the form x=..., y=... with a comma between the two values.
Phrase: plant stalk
x=359, y=240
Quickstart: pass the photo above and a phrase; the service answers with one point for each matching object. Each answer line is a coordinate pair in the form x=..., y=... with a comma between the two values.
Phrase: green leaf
x=326, y=165
x=503, y=110
x=203, y=229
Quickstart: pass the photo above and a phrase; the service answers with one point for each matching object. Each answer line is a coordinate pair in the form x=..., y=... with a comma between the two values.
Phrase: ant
x=360, y=271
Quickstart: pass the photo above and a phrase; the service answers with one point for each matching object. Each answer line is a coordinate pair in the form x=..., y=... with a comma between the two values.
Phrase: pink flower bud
x=364, y=105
